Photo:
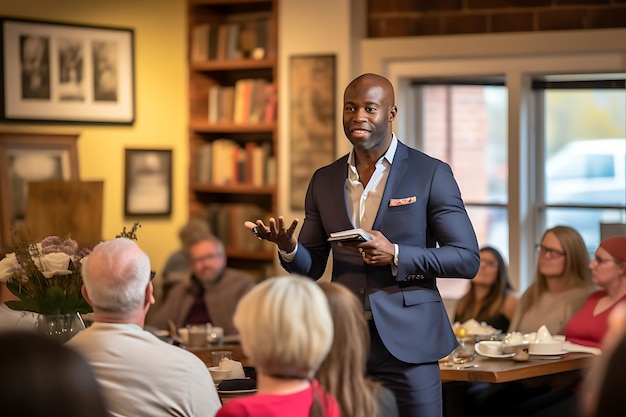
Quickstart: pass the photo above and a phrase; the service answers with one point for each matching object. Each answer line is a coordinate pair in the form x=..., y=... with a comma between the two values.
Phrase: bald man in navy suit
x=411, y=205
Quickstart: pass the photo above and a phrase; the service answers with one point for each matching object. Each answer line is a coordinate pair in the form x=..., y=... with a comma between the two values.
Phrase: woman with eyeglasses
x=587, y=327
x=608, y=271
x=561, y=286
x=490, y=297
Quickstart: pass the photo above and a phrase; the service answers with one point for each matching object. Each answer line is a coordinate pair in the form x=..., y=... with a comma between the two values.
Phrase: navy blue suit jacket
x=407, y=308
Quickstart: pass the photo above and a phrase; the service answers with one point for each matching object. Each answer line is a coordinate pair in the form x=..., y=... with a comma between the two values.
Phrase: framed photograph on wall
x=69, y=73
x=27, y=158
x=312, y=120
x=148, y=182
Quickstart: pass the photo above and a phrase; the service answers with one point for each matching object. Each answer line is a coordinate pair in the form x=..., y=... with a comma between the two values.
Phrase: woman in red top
x=286, y=331
x=608, y=271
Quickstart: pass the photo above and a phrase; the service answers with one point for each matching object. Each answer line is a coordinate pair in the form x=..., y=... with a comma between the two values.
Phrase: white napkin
x=573, y=347
x=235, y=367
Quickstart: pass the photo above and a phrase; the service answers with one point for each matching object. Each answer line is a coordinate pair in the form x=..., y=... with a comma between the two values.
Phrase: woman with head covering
x=608, y=271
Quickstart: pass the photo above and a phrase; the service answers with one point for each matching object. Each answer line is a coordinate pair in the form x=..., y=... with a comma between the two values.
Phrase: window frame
x=519, y=58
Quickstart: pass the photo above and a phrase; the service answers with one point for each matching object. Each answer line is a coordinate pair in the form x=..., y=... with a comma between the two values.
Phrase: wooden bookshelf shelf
x=233, y=90
x=234, y=189
x=204, y=126
x=230, y=65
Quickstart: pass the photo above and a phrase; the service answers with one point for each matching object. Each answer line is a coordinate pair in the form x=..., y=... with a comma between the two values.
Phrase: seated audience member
x=286, y=330
x=342, y=373
x=139, y=374
x=177, y=266
x=14, y=319
x=561, y=286
x=588, y=327
x=603, y=390
x=40, y=378
x=608, y=271
x=490, y=298
x=212, y=291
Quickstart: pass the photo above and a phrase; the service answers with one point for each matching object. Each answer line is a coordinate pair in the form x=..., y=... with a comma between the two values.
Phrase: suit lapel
x=398, y=169
x=338, y=190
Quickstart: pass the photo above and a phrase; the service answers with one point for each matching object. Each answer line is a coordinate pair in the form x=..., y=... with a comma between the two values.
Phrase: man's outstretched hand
x=275, y=232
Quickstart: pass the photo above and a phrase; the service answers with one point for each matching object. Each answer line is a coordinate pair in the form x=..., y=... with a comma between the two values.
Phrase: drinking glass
x=464, y=352
x=218, y=355
x=197, y=335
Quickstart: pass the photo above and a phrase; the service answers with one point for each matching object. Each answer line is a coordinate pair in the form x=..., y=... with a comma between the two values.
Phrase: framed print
x=26, y=158
x=148, y=182
x=312, y=120
x=66, y=73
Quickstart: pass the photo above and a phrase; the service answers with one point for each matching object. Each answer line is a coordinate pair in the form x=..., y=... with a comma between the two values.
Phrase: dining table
x=497, y=371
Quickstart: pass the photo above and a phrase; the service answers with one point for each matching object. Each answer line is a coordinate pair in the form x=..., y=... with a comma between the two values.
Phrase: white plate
x=478, y=350
x=237, y=392
x=561, y=353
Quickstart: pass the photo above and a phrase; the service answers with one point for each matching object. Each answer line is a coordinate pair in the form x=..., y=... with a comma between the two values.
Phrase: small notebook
x=352, y=235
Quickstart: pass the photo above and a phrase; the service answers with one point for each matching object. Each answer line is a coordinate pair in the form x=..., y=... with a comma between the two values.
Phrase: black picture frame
x=66, y=73
x=148, y=182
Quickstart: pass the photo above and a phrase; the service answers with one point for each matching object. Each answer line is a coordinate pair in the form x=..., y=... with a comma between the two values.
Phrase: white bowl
x=490, y=347
x=219, y=375
x=545, y=348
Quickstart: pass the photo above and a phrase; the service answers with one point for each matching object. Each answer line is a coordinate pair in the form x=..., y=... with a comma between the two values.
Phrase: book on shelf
x=242, y=36
x=203, y=164
x=223, y=167
x=251, y=98
x=200, y=42
x=227, y=162
x=221, y=104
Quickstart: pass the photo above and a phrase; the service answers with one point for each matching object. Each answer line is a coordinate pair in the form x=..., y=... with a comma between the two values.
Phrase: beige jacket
x=220, y=297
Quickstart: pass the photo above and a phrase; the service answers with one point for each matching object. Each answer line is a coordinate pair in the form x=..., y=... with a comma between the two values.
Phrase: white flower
x=9, y=267
x=56, y=263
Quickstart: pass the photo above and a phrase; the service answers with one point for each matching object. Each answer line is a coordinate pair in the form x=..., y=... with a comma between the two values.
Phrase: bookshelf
x=233, y=87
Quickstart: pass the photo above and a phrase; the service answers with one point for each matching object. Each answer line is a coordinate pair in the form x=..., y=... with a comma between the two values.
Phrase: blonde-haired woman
x=286, y=330
x=343, y=371
x=562, y=283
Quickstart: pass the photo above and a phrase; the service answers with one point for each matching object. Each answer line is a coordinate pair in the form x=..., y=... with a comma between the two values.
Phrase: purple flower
x=51, y=244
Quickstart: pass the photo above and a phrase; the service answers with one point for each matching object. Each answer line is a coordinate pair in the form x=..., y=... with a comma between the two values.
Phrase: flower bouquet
x=45, y=276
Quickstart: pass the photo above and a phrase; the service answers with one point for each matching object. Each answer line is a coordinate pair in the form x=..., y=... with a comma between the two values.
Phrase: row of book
x=249, y=101
x=227, y=162
x=226, y=222
x=243, y=36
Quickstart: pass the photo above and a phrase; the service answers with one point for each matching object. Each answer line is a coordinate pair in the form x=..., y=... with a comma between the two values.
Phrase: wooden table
x=504, y=370
x=507, y=370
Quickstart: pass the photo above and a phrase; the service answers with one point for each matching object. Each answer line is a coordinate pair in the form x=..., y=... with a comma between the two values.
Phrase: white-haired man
x=140, y=374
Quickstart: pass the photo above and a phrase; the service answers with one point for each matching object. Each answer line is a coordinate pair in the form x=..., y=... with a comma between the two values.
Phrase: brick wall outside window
x=392, y=18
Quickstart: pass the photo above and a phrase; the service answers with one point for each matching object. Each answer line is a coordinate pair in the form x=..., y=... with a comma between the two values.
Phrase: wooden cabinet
x=233, y=65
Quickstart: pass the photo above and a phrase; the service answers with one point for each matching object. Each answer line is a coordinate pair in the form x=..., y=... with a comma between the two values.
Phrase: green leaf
x=28, y=304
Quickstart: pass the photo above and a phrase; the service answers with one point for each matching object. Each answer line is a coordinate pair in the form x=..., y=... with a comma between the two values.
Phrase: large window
x=464, y=124
x=581, y=130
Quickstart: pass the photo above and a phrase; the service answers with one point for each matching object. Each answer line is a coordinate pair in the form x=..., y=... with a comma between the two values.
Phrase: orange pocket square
x=395, y=202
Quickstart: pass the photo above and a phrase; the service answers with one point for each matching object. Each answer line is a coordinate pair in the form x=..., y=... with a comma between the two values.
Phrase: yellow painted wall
x=160, y=107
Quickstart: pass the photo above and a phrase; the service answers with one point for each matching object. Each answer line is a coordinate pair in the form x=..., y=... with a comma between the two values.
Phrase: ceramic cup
x=197, y=335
